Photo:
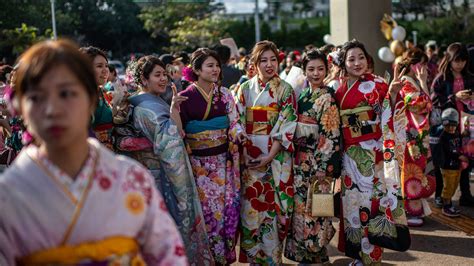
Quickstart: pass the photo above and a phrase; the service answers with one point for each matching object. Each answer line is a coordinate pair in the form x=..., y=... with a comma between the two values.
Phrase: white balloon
x=386, y=55
x=399, y=33
x=327, y=38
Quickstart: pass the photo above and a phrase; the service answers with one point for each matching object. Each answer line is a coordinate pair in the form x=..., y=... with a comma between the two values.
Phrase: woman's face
x=315, y=72
x=356, y=62
x=157, y=81
x=209, y=71
x=251, y=71
x=57, y=110
x=458, y=65
x=268, y=65
x=101, y=69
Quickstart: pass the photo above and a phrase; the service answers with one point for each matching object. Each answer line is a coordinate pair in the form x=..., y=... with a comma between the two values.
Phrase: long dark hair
x=412, y=57
x=198, y=58
x=455, y=52
x=342, y=53
x=314, y=54
x=92, y=52
x=145, y=66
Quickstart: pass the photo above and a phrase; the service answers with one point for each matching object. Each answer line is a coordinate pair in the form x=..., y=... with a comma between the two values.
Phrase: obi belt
x=360, y=124
x=103, y=252
x=208, y=137
x=258, y=120
x=307, y=129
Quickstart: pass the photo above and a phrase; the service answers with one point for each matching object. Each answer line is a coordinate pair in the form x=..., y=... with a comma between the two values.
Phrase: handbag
x=386, y=231
x=399, y=239
x=322, y=204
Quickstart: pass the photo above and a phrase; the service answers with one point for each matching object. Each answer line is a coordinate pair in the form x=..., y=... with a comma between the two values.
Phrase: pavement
x=440, y=241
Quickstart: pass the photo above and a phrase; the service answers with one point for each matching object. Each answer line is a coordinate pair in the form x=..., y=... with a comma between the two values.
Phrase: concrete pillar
x=360, y=19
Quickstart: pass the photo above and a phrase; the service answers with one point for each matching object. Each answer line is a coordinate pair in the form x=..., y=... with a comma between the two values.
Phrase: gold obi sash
x=207, y=139
x=258, y=119
x=94, y=251
x=358, y=122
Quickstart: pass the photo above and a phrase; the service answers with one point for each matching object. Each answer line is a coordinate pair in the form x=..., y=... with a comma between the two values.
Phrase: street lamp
x=53, y=19
x=415, y=39
x=257, y=22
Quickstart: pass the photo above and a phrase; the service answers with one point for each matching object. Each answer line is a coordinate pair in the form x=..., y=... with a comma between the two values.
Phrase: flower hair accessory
x=188, y=74
x=131, y=74
x=334, y=58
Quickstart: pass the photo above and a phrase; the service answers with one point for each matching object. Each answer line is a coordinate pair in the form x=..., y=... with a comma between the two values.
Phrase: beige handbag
x=322, y=204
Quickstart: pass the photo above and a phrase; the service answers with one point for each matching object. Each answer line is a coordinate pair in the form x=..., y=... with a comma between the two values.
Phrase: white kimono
x=113, y=199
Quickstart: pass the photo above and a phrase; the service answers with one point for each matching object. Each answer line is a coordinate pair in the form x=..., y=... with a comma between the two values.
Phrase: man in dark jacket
x=230, y=74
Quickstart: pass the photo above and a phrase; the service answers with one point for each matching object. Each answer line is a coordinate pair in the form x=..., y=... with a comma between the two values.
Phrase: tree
x=160, y=20
x=112, y=25
x=192, y=33
x=19, y=39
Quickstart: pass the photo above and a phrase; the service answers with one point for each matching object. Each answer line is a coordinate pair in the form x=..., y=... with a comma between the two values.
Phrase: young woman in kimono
x=102, y=119
x=368, y=194
x=316, y=159
x=212, y=129
x=70, y=200
x=266, y=106
x=412, y=130
x=168, y=160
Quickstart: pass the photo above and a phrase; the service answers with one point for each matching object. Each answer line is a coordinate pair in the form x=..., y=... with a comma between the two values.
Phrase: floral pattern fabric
x=218, y=176
x=119, y=193
x=267, y=193
x=172, y=170
x=416, y=183
x=371, y=193
x=316, y=158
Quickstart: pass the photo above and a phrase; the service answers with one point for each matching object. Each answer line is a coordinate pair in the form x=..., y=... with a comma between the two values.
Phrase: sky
x=242, y=6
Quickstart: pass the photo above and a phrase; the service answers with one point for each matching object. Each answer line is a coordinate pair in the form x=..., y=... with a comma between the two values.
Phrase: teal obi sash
x=208, y=137
x=217, y=123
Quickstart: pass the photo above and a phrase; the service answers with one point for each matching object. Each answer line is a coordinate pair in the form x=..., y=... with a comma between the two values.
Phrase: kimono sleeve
x=327, y=154
x=235, y=126
x=168, y=147
x=159, y=238
x=6, y=255
x=240, y=104
x=287, y=119
x=158, y=128
x=8, y=248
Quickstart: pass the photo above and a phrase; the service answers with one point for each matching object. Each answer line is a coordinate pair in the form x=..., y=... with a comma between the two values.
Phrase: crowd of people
x=192, y=155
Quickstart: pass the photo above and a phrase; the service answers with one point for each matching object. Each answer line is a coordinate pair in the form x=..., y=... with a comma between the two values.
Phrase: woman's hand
x=177, y=99
x=396, y=85
x=242, y=137
x=261, y=161
x=421, y=74
x=463, y=95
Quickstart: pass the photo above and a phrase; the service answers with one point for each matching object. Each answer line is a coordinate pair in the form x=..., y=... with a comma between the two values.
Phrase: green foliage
x=445, y=30
x=112, y=25
x=192, y=33
x=19, y=39
x=162, y=21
